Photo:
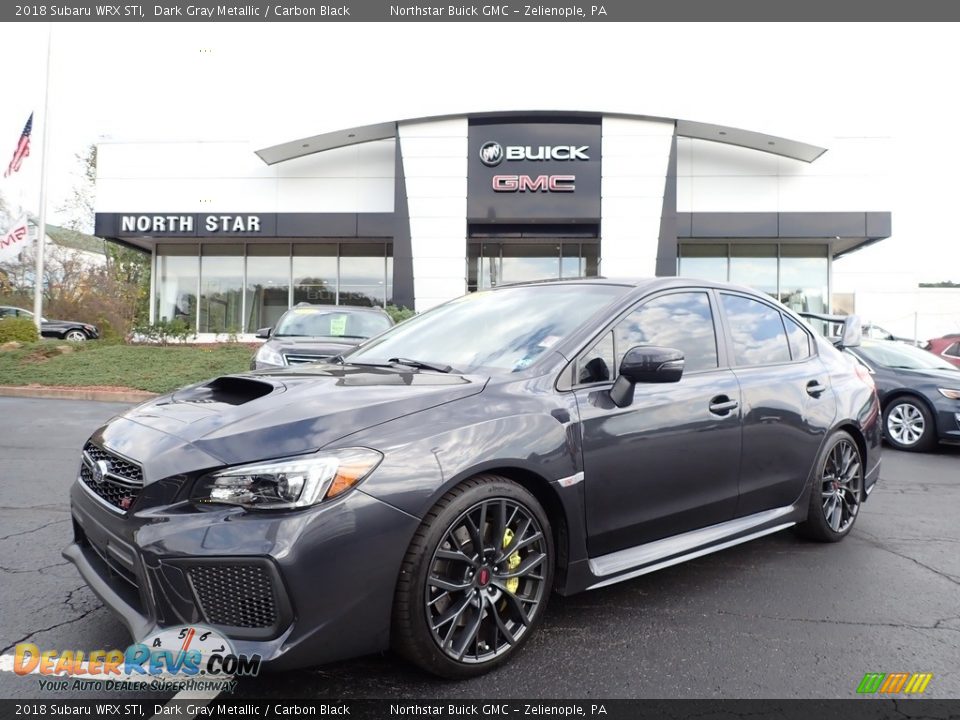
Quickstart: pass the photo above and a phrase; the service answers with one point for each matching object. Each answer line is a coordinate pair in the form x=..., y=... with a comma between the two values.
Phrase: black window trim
x=566, y=380
x=811, y=344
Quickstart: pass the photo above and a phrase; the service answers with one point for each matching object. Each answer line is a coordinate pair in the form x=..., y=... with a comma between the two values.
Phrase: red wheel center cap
x=483, y=577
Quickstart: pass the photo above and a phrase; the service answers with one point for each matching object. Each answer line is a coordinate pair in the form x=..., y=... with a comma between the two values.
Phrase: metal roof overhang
x=783, y=147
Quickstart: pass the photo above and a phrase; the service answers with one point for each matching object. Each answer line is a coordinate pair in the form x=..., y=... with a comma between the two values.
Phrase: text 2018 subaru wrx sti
x=430, y=489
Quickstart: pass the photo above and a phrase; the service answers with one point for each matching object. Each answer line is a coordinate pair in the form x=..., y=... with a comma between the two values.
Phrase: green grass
x=141, y=367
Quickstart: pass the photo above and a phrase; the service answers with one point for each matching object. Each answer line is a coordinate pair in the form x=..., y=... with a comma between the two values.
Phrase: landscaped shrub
x=399, y=314
x=164, y=331
x=19, y=329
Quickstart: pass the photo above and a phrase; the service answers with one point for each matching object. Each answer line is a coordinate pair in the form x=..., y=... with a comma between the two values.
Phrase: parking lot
x=776, y=618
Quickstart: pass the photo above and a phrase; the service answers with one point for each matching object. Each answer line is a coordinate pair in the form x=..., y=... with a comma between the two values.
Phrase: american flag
x=23, y=148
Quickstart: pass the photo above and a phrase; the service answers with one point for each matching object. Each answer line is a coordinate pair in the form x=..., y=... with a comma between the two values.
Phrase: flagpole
x=42, y=229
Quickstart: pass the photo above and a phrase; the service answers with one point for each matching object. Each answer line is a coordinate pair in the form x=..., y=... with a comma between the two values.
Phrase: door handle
x=814, y=388
x=722, y=405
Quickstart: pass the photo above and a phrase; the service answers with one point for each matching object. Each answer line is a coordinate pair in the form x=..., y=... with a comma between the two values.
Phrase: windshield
x=311, y=322
x=898, y=355
x=501, y=331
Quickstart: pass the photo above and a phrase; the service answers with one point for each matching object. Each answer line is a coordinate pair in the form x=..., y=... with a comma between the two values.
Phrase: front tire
x=75, y=336
x=837, y=490
x=475, y=581
x=908, y=425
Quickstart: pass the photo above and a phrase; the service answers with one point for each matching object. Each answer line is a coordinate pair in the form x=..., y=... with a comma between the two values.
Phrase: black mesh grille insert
x=236, y=595
x=117, y=481
x=131, y=472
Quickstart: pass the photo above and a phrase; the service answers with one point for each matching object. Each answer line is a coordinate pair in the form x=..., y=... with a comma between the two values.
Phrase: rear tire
x=474, y=583
x=836, y=491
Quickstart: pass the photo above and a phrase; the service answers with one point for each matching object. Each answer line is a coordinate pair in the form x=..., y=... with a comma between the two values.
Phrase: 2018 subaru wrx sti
x=432, y=488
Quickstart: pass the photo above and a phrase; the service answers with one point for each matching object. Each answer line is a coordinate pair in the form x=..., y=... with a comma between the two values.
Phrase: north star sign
x=187, y=224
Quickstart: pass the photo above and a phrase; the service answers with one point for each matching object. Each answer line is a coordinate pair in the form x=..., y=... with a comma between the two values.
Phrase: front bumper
x=297, y=588
x=947, y=419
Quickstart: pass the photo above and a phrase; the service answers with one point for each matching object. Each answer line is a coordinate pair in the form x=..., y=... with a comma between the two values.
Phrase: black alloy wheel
x=480, y=573
x=837, y=490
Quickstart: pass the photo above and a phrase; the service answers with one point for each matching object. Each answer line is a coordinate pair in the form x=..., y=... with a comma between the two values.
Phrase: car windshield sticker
x=338, y=325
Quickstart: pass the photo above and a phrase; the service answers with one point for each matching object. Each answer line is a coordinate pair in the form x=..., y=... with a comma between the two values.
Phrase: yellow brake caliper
x=513, y=562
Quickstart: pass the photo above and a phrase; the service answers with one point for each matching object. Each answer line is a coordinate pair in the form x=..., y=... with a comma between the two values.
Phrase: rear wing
x=842, y=330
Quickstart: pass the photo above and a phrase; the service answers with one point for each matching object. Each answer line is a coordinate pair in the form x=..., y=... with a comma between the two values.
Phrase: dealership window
x=493, y=263
x=804, y=272
x=221, y=288
x=243, y=287
x=268, y=284
x=797, y=274
x=755, y=265
x=315, y=273
x=178, y=275
x=365, y=269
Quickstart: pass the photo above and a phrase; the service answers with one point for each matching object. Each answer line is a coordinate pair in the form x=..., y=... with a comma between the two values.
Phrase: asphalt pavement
x=776, y=618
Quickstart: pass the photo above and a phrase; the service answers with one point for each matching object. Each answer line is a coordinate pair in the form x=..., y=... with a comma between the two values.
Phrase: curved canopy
x=684, y=128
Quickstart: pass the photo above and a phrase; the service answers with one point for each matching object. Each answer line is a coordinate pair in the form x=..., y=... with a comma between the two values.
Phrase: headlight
x=288, y=483
x=268, y=356
x=950, y=393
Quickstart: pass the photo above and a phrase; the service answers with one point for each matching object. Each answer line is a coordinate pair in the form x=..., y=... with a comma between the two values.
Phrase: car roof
x=648, y=283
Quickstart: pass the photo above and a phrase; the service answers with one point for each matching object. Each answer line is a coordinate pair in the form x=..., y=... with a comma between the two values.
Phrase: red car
x=947, y=347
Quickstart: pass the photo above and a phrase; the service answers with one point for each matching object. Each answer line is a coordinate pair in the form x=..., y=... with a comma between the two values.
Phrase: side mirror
x=645, y=364
x=263, y=333
x=852, y=332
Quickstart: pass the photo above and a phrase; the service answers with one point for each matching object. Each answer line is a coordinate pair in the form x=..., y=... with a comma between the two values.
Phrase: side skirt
x=632, y=562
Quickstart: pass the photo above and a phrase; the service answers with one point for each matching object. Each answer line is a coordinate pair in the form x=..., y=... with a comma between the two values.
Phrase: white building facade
x=416, y=212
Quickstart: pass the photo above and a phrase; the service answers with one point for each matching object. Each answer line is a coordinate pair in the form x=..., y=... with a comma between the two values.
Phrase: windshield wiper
x=420, y=365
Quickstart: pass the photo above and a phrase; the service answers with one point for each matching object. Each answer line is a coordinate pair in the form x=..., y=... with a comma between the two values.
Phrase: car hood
x=313, y=345
x=268, y=414
x=951, y=377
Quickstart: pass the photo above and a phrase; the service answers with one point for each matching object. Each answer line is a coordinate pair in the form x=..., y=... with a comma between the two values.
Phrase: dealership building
x=416, y=212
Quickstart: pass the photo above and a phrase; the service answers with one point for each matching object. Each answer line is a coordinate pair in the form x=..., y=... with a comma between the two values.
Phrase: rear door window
x=756, y=330
x=798, y=338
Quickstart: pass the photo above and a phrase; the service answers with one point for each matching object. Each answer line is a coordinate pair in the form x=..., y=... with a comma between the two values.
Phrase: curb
x=80, y=393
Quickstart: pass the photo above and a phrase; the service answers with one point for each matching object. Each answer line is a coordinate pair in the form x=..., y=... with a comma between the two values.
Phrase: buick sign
x=529, y=172
x=491, y=154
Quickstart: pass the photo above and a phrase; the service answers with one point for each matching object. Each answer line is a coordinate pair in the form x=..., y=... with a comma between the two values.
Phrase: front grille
x=114, y=479
x=236, y=595
x=303, y=359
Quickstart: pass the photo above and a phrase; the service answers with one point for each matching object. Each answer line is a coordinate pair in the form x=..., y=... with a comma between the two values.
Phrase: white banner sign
x=14, y=241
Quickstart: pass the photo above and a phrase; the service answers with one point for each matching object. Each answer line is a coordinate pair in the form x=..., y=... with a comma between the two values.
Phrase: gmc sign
x=535, y=171
x=541, y=183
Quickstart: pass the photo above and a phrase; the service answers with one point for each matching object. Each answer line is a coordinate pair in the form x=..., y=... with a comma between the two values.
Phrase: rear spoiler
x=851, y=329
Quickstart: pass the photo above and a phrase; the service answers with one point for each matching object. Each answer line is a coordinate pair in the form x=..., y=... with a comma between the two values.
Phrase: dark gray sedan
x=433, y=488
x=919, y=393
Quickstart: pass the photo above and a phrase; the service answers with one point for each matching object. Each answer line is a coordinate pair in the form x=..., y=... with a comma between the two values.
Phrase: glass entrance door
x=494, y=263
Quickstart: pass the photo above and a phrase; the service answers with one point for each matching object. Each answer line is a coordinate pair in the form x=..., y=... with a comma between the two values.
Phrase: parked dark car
x=311, y=333
x=432, y=489
x=947, y=347
x=62, y=329
x=919, y=393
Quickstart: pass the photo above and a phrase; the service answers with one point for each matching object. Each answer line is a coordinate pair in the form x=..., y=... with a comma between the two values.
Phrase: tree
x=78, y=208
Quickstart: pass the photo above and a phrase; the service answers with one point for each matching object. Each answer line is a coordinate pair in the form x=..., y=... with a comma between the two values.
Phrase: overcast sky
x=268, y=83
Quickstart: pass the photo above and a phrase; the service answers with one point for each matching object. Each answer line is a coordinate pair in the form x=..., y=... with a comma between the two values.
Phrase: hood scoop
x=226, y=390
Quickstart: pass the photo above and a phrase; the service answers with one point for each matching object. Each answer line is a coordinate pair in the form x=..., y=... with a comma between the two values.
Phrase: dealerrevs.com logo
x=192, y=657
